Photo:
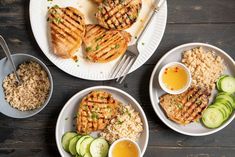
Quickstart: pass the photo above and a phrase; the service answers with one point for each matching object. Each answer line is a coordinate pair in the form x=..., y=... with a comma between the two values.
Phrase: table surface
x=209, y=21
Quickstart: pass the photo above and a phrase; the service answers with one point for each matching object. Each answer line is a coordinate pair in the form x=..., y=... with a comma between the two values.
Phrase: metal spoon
x=8, y=54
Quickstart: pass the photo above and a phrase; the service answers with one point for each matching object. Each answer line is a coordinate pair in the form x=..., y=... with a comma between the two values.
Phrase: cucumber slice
x=225, y=103
x=99, y=148
x=225, y=97
x=87, y=155
x=222, y=110
x=72, y=145
x=66, y=139
x=228, y=84
x=78, y=144
x=232, y=96
x=85, y=146
x=218, y=83
x=212, y=118
x=222, y=93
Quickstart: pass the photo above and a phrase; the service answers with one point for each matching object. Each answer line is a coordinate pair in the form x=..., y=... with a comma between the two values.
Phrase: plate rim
x=91, y=78
x=105, y=88
x=151, y=93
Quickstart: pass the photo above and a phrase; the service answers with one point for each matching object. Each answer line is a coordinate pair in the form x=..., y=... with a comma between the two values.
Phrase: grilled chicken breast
x=118, y=14
x=104, y=45
x=186, y=107
x=67, y=28
x=95, y=112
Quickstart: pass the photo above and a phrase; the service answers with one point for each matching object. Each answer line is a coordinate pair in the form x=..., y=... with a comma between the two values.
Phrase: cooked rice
x=204, y=65
x=126, y=125
x=32, y=92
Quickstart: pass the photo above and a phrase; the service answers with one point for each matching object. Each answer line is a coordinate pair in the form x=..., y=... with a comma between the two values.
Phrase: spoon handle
x=8, y=54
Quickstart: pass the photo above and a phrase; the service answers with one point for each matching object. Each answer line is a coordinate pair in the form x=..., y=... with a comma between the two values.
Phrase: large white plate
x=66, y=120
x=83, y=68
x=192, y=129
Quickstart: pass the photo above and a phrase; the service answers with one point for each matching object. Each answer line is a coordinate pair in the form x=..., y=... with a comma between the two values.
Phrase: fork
x=128, y=59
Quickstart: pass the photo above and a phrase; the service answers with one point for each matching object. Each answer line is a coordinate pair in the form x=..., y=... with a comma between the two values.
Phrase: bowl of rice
x=25, y=99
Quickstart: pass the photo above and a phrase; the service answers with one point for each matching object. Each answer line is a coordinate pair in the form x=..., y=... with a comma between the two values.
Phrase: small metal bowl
x=5, y=70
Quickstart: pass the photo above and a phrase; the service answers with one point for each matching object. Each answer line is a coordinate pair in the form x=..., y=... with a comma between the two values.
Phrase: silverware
x=8, y=54
x=128, y=59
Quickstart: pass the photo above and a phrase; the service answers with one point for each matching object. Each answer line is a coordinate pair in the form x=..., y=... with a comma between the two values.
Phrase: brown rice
x=126, y=125
x=32, y=92
x=205, y=67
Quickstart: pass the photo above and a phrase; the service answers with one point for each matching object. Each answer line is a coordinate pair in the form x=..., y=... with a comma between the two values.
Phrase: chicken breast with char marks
x=67, y=28
x=186, y=107
x=118, y=14
x=95, y=112
x=104, y=45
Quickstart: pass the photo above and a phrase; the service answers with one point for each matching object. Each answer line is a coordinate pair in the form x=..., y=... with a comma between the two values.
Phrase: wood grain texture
x=201, y=11
x=219, y=35
x=210, y=21
x=190, y=152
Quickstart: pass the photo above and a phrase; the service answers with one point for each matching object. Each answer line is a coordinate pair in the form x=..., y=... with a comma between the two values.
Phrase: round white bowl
x=155, y=91
x=163, y=86
x=6, y=69
x=66, y=121
x=124, y=139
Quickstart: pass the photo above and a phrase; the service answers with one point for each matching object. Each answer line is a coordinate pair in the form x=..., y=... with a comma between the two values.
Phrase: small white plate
x=155, y=91
x=66, y=119
x=83, y=68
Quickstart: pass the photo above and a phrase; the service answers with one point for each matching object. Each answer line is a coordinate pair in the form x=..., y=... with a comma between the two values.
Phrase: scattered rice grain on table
x=32, y=92
x=204, y=65
x=126, y=125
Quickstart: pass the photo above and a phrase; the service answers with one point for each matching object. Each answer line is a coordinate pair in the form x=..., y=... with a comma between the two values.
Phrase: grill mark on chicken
x=186, y=107
x=95, y=111
x=104, y=45
x=67, y=24
x=118, y=14
x=67, y=27
x=68, y=14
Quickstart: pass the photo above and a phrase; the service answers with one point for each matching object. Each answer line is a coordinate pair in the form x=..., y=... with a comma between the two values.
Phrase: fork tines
x=123, y=67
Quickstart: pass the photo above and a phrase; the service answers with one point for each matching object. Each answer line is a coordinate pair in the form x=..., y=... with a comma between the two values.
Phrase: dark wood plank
x=180, y=11
x=201, y=11
x=220, y=35
x=152, y=151
x=29, y=152
x=190, y=152
x=16, y=29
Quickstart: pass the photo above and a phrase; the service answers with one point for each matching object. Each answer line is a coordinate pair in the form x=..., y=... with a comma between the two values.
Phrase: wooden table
x=210, y=21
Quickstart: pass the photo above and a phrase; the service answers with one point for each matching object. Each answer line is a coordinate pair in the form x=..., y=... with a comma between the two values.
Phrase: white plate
x=192, y=129
x=66, y=120
x=83, y=68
